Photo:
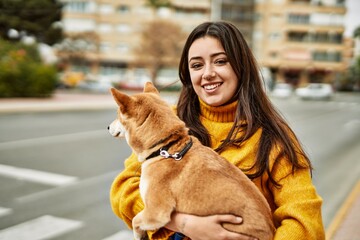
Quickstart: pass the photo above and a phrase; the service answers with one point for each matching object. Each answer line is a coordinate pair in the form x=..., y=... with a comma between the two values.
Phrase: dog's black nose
x=108, y=127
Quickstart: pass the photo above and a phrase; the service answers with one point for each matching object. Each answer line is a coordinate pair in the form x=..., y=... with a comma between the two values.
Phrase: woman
x=224, y=105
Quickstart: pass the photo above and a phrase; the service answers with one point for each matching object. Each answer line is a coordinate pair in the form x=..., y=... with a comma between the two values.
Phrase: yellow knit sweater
x=295, y=205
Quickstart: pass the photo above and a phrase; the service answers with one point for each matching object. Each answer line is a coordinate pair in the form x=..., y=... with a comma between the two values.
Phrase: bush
x=22, y=74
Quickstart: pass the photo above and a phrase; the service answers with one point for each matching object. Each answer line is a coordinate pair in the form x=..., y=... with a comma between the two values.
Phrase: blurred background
x=58, y=59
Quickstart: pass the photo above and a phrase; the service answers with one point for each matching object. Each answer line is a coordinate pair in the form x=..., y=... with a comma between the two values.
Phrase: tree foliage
x=160, y=47
x=75, y=45
x=22, y=74
x=33, y=17
x=158, y=3
x=356, y=32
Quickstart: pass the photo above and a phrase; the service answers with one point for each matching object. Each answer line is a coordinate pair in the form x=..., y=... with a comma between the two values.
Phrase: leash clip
x=164, y=153
x=177, y=156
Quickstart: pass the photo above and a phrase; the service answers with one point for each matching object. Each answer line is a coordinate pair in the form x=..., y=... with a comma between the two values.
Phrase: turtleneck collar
x=224, y=113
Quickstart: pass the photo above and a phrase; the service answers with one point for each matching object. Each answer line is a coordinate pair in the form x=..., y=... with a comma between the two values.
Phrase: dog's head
x=144, y=119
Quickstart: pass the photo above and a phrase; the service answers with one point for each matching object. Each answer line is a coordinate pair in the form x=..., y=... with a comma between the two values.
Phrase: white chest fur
x=144, y=180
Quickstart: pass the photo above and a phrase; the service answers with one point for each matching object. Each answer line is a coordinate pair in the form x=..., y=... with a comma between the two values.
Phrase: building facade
x=119, y=25
x=300, y=41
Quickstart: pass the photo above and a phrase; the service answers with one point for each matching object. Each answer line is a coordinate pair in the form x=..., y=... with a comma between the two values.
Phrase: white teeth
x=212, y=86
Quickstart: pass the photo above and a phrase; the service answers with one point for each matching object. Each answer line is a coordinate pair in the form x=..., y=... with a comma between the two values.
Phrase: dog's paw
x=140, y=235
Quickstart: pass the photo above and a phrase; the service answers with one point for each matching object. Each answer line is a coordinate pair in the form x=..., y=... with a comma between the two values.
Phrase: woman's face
x=212, y=76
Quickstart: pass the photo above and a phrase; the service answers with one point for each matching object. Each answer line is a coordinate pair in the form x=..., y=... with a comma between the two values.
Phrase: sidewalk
x=59, y=101
x=63, y=100
x=345, y=225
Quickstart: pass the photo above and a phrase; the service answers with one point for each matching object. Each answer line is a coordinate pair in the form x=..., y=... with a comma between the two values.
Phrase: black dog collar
x=177, y=156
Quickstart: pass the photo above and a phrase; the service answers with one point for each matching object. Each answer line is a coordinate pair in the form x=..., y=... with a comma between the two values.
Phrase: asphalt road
x=56, y=168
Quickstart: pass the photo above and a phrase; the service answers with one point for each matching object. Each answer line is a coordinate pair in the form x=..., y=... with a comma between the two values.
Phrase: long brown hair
x=254, y=107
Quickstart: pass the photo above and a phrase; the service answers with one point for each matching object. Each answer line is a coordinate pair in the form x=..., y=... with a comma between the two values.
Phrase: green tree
x=22, y=74
x=158, y=3
x=33, y=17
x=356, y=32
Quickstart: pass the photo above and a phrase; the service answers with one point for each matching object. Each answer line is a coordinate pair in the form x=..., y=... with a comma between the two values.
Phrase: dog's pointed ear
x=150, y=88
x=121, y=99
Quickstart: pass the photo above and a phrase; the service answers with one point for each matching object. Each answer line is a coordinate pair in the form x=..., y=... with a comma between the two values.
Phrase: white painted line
x=122, y=235
x=41, y=228
x=5, y=211
x=31, y=175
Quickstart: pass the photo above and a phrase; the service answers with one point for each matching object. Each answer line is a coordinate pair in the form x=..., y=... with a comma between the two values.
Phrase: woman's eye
x=221, y=61
x=195, y=65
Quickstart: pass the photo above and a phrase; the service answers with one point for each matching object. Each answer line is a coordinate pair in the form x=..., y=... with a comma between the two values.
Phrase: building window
x=194, y=14
x=297, y=36
x=123, y=28
x=299, y=18
x=327, y=19
x=163, y=12
x=105, y=27
x=78, y=25
x=327, y=56
x=278, y=1
x=335, y=38
x=312, y=37
x=334, y=56
x=123, y=47
x=106, y=9
x=77, y=6
x=105, y=47
x=274, y=36
x=123, y=9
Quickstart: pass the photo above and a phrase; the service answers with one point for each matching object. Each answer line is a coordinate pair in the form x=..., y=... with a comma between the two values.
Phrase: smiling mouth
x=212, y=86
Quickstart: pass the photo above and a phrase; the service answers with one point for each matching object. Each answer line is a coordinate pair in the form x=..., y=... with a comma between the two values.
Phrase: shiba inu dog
x=180, y=174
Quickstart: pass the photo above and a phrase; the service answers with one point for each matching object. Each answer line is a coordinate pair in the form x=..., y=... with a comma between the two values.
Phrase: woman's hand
x=205, y=228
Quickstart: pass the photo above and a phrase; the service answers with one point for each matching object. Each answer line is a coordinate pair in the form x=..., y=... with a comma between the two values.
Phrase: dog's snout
x=108, y=127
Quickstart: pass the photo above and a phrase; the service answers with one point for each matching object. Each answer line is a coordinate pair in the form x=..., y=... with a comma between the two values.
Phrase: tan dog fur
x=201, y=183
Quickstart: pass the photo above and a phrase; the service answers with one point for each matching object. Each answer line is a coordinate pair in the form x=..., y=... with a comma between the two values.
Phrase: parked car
x=95, y=86
x=282, y=90
x=316, y=91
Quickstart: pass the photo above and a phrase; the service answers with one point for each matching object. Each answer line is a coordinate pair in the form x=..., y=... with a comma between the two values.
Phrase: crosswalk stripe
x=36, y=176
x=5, y=211
x=122, y=235
x=41, y=228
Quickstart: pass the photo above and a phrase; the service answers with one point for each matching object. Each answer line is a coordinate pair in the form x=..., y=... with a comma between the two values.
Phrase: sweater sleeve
x=125, y=196
x=298, y=206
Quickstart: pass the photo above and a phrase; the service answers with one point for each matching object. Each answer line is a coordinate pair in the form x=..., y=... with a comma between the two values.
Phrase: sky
x=352, y=19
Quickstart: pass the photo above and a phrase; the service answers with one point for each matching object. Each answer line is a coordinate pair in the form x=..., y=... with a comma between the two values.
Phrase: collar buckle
x=176, y=156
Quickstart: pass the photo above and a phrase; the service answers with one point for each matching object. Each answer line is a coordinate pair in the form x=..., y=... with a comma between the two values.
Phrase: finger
x=229, y=218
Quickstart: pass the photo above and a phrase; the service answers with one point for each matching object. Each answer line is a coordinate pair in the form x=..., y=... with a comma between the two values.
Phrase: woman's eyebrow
x=212, y=55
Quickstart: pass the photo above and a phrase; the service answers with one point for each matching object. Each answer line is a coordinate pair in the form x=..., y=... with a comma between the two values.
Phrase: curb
x=52, y=107
x=341, y=216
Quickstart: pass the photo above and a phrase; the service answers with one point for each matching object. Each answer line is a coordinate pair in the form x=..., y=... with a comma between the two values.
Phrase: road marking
x=352, y=124
x=44, y=227
x=122, y=235
x=31, y=175
x=5, y=211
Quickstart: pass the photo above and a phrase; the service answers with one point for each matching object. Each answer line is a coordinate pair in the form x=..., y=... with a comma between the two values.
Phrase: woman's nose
x=209, y=74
